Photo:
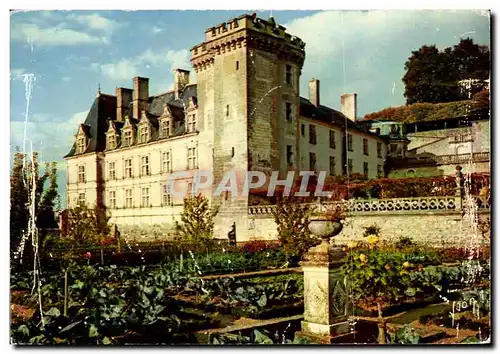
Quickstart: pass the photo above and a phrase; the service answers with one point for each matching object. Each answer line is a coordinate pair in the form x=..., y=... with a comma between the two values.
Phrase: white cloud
x=363, y=51
x=125, y=69
x=53, y=36
x=51, y=138
x=157, y=30
x=96, y=22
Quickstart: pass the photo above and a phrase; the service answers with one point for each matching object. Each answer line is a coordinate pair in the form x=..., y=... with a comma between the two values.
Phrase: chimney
x=314, y=92
x=181, y=80
x=140, y=95
x=349, y=105
x=123, y=99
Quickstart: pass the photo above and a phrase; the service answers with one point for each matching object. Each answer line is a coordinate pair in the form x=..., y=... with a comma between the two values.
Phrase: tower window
x=332, y=165
x=312, y=161
x=288, y=111
x=365, y=146
x=289, y=154
x=237, y=65
x=332, y=139
x=227, y=110
x=288, y=74
x=312, y=134
x=303, y=129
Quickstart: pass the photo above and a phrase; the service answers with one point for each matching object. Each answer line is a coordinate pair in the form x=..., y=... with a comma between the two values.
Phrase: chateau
x=244, y=113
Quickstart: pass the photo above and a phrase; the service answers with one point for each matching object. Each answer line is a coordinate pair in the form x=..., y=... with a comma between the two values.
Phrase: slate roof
x=329, y=115
x=104, y=109
x=96, y=123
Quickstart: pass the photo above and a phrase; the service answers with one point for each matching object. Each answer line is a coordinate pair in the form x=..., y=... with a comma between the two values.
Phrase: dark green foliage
x=371, y=230
x=432, y=76
x=292, y=218
x=197, y=220
x=405, y=335
x=258, y=336
x=28, y=196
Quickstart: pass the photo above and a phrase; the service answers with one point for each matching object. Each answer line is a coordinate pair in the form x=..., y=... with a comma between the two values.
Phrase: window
x=380, y=171
x=303, y=129
x=332, y=165
x=112, y=200
x=144, y=165
x=191, y=123
x=111, y=141
x=80, y=145
x=190, y=190
x=312, y=134
x=81, y=199
x=379, y=149
x=128, y=168
x=288, y=74
x=365, y=169
x=227, y=110
x=349, y=142
x=365, y=146
x=237, y=65
x=111, y=170
x=143, y=134
x=128, y=198
x=145, y=197
x=332, y=139
x=165, y=128
x=167, y=197
x=127, y=138
x=312, y=161
x=192, y=158
x=289, y=154
x=81, y=174
x=349, y=165
x=288, y=111
x=166, y=164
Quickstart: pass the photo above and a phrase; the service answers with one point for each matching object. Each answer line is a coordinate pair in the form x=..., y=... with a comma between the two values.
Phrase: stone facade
x=245, y=113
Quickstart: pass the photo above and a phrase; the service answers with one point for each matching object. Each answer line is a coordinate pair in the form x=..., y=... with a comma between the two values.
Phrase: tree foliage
x=432, y=75
x=86, y=225
x=197, y=220
x=30, y=196
x=292, y=219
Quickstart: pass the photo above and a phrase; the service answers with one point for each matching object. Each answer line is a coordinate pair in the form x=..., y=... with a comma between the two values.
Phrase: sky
x=70, y=54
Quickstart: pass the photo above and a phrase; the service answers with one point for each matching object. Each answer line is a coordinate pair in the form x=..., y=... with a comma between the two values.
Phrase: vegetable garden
x=187, y=301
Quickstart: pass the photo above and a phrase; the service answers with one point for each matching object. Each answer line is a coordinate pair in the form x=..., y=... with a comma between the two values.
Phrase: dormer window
x=191, y=123
x=165, y=128
x=127, y=138
x=143, y=134
x=111, y=141
x=80, y=145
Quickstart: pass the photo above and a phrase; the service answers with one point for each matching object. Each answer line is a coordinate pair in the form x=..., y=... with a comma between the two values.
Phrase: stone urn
x=325, y=226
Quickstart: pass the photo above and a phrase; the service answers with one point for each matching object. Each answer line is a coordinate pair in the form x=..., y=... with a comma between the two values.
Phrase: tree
x=85, y=226
x=292, y=218
x=197, y=220
x=433, y=76
x=29, y=200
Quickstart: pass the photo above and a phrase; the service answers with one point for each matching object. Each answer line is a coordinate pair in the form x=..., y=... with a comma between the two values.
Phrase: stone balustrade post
x=325, y=296
x=459, y=188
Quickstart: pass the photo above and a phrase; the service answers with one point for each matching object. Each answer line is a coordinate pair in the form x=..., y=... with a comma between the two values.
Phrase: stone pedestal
x=325, y=296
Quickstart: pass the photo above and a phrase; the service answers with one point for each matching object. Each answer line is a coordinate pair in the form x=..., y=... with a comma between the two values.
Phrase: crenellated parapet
x=247, y=31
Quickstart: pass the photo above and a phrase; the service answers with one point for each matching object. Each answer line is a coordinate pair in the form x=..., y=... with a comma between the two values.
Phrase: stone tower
x=248, y=72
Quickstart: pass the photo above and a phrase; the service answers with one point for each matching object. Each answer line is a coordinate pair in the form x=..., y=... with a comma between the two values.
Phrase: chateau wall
x=436, y=229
